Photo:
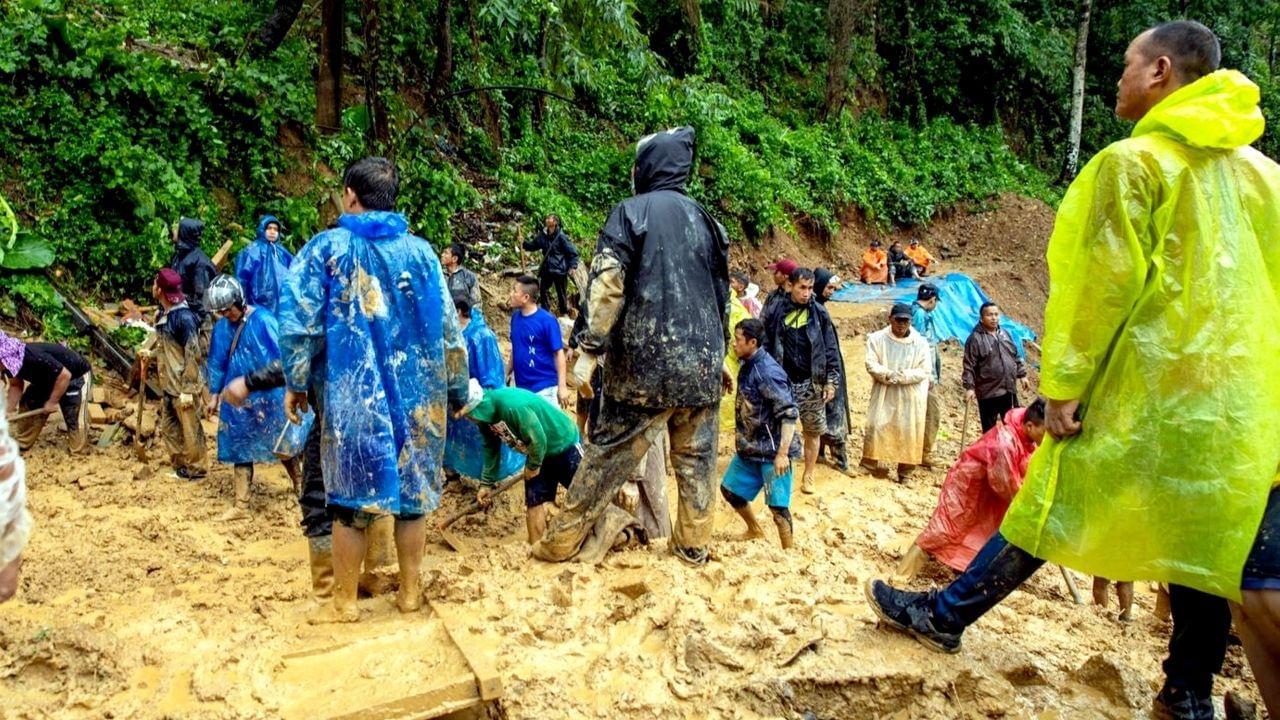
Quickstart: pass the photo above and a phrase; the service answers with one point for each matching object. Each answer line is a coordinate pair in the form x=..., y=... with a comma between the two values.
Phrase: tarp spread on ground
x=959, y=299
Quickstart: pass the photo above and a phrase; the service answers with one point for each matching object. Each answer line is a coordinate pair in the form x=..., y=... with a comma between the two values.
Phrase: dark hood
x=262, y=227
x=189, y=232
x=821, y=278
x=663, y=160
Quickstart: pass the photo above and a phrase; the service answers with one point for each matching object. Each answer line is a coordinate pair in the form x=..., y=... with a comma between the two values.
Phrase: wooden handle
x=474, y=507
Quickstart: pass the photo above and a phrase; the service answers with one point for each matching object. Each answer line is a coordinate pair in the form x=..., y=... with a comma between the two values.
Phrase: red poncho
x=977, y=492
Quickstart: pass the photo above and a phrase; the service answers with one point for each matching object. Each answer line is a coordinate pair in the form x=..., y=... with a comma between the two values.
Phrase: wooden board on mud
x=413, y=672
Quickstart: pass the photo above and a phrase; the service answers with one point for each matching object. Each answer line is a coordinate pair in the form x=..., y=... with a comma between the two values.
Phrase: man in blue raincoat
x=245, y=338
x=366, y=319
x=262, y=266
x=464, y=447
x=1161, y=367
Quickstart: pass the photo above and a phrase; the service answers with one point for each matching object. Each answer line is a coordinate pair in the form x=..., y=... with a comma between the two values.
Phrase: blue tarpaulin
x=959, y=299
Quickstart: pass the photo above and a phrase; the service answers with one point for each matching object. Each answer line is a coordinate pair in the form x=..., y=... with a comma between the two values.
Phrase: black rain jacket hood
x=192, y=264
x=664, y=160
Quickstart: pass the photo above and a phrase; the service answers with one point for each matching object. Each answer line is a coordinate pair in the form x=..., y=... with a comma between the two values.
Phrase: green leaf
x=28, y=252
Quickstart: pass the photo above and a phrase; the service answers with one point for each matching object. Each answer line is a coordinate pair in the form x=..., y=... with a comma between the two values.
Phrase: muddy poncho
x=247, y=434
x=977, y=492
x=464, y=451
x=895, y=417
x=1162, y=321
x=261, y=268
x=372, y=298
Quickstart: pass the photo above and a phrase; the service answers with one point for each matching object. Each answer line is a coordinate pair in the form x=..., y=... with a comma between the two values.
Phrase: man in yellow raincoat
x=1162, y=365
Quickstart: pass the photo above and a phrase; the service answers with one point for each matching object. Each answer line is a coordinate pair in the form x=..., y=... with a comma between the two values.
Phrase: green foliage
x=37, y=293
x=129, y=337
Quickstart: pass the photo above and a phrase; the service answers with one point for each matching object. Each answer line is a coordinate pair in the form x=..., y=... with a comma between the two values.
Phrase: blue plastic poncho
x=464, y=449
x=368, y=323
x=261, y=268
x=1164, y=269
x=247, y=434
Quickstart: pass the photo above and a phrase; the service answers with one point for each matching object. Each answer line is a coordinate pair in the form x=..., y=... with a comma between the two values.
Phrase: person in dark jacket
x=765, y=416
x=45, y=376
x=993, y=370
x=901, y=267
x=193, y=265
x=559, y=257
x=175, y=348
x=825, y=283
x=461, y=280
x=657, y=305
x=803, y=340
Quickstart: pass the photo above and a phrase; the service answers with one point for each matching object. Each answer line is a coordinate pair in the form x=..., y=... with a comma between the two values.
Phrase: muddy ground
x=137, y=602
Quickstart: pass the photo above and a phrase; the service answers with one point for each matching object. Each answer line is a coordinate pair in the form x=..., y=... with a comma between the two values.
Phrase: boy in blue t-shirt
x=537, y=350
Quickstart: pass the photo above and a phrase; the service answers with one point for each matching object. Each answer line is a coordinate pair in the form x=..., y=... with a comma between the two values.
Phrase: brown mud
x=136, y=602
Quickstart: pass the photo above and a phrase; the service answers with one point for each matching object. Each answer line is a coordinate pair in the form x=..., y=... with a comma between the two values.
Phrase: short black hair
x=740, y=277
x=986, y=305
x=459, y=251
x=1193, y=48
x=751, y=329
x=462, y=303
x=529, y=284
x=800, y=273
x=1035, y=412
x=375, y=181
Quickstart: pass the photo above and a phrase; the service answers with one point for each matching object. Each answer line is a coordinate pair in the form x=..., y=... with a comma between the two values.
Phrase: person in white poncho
x=898, y=362
x=15, y=523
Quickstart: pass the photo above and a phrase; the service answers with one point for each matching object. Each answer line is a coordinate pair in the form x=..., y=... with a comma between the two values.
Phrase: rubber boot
x=241, y=479
x=378, y=573
x=321, y=552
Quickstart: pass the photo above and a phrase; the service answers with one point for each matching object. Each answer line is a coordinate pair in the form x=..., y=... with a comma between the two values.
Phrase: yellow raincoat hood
x=1163, y=320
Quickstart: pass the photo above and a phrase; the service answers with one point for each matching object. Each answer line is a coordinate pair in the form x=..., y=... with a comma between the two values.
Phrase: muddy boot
x=904, y=472
x=1124, y=591
x=785, y=529
x=321, y=551
x=341, y=609
x=377, y=576
x=806, y=485
x=241, y=479
x=1238, y=707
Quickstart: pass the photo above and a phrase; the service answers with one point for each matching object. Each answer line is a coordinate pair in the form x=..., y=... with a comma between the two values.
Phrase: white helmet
x=223, y=292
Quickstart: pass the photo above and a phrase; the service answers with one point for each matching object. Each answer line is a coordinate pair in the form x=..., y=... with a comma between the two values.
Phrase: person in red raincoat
x=980, y=486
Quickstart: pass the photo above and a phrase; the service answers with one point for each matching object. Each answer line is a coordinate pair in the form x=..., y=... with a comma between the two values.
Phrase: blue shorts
x=745, y=478
x=1262, y=569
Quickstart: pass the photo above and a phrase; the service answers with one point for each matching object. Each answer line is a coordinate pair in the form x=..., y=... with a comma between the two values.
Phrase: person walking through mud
x=657, y=304
x=367, y=317
x=1162, y=385
x=801, y=337
x=897, y=360
x=176, y=354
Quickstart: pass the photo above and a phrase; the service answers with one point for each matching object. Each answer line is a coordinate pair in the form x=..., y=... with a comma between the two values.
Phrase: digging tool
x=1071, y=586
x=220, y=256
x=524, y=263
x=456, y=542
x=138, y=449
x=27, y=414
x=964, y=427
x=109, y=435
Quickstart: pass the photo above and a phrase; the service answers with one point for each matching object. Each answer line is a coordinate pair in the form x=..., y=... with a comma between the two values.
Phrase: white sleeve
x=15, y=522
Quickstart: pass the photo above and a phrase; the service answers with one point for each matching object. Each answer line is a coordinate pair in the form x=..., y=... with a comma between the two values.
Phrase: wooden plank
x=488, y=680
x=439, y=700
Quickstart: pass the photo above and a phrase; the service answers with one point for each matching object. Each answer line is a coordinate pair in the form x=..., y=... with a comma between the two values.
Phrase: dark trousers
x=311, y=500
x=546, y=281
x=1200, y=621
x=992, y=408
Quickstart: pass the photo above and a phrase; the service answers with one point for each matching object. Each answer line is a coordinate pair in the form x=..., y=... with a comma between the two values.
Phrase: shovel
x=458, y=543
x=964, y=428
x=138, y=449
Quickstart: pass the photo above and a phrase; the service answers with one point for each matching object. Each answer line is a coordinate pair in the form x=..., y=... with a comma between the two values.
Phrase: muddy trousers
x=1197, y=646
x=618, y=441
x=311, y=500
x=560, y=283
x=170, y=427
x=27, y=430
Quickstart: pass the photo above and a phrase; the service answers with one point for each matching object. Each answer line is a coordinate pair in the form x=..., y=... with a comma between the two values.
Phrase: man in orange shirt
x=920, y=256
x=875, y=265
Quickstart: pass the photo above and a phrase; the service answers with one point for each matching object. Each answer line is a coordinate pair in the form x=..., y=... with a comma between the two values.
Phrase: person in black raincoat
x=559, y=257
x=657, y=304
x=825, y=283
x=197, y=271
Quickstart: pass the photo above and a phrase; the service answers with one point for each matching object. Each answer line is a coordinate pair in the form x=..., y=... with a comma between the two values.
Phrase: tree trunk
x=492, y=123
x=379, y=133
x=276, y=28
x=841, y=23
x=539, y=101
x=329, y=77
x=1072, y=164
x=442, y=73
x=691, y=14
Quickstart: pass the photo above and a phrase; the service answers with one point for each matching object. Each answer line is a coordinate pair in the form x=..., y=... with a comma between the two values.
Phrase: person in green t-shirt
x=545, y=434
